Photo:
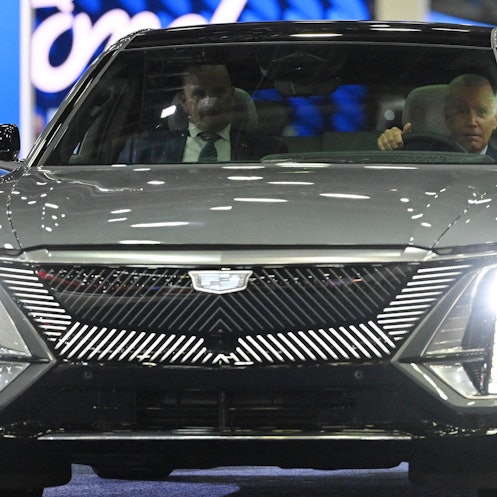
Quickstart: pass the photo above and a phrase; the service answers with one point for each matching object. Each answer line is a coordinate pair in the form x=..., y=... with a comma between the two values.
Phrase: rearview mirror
x=10, y=142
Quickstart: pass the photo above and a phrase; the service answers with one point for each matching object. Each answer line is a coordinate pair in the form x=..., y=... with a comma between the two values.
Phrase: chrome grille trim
x=232, y=256
x=260, y=319
x=196, y=434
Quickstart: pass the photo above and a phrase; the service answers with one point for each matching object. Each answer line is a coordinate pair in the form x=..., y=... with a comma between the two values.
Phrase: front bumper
x=373, y=416
x=324, y=400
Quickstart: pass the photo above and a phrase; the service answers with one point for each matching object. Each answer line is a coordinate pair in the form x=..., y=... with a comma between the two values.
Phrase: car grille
x=286, y=315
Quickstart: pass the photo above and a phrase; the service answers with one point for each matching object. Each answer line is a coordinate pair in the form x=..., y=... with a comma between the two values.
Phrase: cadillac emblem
x=219, y=282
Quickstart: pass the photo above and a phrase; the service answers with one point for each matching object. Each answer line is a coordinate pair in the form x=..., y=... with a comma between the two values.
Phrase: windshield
x=256, y=102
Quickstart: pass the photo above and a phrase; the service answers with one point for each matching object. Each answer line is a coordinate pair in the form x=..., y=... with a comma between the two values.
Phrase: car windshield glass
x=273, y=102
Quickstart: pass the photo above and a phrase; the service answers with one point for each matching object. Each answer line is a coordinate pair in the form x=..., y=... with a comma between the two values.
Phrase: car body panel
x=411, y=206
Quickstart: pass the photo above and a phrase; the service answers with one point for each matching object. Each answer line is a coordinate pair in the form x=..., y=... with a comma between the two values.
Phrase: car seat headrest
x=424, y=109
x=244, y=113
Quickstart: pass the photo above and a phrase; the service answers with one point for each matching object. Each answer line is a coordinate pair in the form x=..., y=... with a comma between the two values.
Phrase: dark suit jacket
x=167, y=147
x=492, y=152
x=427, y=142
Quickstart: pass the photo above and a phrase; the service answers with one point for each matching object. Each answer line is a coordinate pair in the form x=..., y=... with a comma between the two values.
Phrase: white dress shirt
x=195, y=143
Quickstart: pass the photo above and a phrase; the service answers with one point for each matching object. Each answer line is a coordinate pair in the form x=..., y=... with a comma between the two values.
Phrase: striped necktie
x=208, y=152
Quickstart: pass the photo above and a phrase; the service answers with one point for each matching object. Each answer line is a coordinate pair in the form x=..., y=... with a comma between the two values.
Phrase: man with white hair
x=470, y=113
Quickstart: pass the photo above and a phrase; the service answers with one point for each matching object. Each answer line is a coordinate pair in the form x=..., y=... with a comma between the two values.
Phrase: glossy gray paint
x=281, y=205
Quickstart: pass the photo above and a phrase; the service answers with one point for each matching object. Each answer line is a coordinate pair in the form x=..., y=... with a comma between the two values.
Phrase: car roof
x=285, y=31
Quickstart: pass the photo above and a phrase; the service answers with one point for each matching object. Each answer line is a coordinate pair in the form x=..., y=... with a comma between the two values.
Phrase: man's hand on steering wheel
x=392, y=139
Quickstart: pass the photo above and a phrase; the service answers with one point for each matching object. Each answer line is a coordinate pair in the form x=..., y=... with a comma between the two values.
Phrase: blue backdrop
x=9, y=61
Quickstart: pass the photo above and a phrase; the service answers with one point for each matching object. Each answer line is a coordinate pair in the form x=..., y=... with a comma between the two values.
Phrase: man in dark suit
x=470, y=113
x=211, y=134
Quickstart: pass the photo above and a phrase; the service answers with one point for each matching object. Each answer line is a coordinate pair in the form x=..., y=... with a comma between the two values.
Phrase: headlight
x=24, y=357
x=14, y=353
x=11, y=342
x=9, y=371
x=457, y=341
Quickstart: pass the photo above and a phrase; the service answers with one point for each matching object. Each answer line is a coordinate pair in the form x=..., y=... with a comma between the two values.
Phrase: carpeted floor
x=254, y=482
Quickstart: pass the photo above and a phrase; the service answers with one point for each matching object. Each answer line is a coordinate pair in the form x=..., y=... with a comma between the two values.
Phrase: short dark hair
x=197, y=70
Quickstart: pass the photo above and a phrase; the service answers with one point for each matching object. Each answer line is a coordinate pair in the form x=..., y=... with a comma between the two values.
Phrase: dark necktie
x=208, y=152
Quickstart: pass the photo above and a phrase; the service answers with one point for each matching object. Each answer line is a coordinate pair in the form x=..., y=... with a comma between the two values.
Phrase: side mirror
x=10, y=142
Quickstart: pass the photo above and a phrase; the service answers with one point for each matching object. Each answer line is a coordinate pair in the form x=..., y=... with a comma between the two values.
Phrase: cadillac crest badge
x=220, y=281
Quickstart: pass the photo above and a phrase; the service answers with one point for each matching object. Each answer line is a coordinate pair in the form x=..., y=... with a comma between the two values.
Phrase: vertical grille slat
x=115, y=309
x=278, y=307
x=81, y=282
x=344, y=300
x=176, y=315
x=141, y=317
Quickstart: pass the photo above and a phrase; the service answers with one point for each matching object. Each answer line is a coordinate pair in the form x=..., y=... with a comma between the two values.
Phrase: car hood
x=282, y=205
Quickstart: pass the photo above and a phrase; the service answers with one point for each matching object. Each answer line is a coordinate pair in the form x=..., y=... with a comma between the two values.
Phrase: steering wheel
x=426, y=140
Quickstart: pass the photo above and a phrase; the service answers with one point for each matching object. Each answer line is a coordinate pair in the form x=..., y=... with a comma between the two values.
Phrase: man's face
x=471, y=116
x=207, y=99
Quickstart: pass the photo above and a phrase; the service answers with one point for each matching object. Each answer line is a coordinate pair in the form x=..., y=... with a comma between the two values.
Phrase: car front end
x=322, y=307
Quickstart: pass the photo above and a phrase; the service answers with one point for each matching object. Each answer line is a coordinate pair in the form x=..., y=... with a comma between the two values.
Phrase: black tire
x=18, y=492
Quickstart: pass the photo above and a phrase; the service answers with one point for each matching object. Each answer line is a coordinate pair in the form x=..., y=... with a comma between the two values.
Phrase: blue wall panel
x=9, y=61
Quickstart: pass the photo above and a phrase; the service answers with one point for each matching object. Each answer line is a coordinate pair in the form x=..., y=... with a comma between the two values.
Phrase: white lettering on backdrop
x=87, y=37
